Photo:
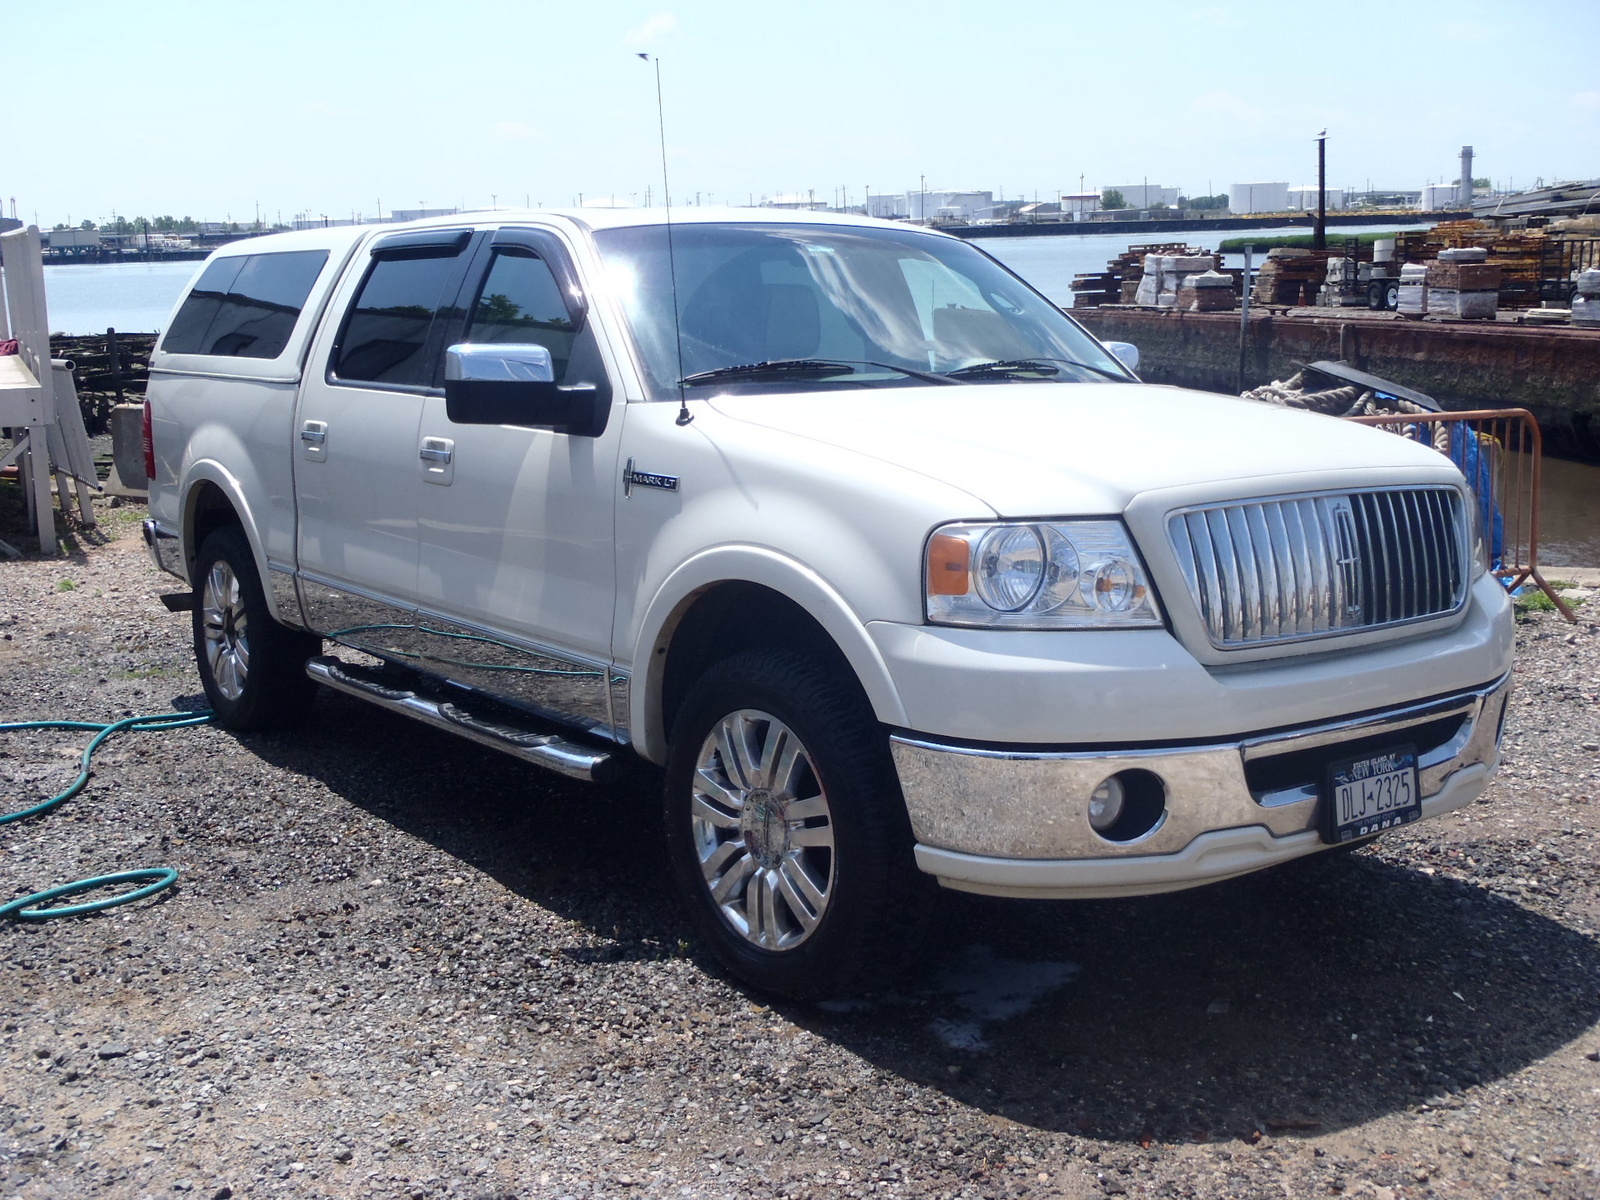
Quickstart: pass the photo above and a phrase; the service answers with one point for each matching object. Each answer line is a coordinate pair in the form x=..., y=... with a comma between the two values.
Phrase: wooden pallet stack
x=1119, y=282
x=1520, y=254
x=1520, y=257
x=1290, y=277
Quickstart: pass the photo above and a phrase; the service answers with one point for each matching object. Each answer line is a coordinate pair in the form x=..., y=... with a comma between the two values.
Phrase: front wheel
x=788, y=835
x=252, y=668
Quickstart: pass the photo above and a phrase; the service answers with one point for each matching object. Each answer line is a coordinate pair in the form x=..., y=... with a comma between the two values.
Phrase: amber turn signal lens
x=948, y=573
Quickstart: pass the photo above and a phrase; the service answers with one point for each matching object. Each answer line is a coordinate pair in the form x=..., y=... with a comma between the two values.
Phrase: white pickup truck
x=899, y=574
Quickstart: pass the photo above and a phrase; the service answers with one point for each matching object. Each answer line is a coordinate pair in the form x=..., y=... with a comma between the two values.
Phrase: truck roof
x=339, y=238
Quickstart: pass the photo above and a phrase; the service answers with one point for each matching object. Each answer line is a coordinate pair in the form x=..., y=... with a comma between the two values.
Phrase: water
x=139, y=297
x=130, y=297
x=1569, y=502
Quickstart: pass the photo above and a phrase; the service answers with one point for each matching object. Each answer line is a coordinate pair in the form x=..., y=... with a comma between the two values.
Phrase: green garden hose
x=154, y=878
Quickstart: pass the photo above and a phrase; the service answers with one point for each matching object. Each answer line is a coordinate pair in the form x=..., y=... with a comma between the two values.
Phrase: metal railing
x=1499, y=451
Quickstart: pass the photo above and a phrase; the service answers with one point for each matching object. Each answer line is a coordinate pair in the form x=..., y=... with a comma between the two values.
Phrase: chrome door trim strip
x=552, y=683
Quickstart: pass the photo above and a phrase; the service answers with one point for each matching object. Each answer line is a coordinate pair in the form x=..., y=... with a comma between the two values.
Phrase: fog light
x=1105, y=805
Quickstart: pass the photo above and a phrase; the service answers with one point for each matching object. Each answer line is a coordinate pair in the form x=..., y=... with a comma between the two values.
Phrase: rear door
x=357, y=441
x=516, y=580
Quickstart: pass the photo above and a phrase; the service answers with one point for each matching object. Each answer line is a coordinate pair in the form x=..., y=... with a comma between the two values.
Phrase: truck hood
x=1039, y=449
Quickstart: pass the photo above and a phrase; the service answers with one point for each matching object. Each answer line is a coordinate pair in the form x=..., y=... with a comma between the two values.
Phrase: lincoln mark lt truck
x=899, y=575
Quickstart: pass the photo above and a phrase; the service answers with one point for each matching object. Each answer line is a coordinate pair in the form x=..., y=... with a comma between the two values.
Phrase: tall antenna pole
x=684, y=415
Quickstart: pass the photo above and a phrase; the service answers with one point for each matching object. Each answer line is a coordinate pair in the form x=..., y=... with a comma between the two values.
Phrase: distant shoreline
x=1181, y=225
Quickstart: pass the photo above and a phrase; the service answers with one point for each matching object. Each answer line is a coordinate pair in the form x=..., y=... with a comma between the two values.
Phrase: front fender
x=770, y=569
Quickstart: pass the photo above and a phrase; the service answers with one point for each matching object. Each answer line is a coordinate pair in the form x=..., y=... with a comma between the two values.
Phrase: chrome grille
x=1313, y=566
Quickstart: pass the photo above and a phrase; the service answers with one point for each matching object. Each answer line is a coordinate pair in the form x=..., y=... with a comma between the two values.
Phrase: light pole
x=1319, y=240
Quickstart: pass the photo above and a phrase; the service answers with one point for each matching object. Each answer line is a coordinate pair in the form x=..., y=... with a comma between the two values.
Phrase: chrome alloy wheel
x=762, y=830
x=227, y=639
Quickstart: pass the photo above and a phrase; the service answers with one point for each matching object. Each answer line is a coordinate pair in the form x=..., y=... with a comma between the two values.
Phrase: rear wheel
x=1391, y=297
x=252, y=668
x=788, y=835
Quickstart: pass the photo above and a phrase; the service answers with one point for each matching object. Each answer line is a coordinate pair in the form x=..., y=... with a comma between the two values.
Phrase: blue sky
x=329, y=108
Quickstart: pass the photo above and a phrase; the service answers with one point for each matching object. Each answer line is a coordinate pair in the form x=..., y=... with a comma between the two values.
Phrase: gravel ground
x=398, y=965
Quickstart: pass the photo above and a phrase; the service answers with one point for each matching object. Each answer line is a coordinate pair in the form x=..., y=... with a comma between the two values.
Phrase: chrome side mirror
x=492, y=363
x=1126, y=353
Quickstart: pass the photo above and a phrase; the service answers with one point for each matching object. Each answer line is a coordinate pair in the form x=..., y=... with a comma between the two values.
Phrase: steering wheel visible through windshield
x=764, y=306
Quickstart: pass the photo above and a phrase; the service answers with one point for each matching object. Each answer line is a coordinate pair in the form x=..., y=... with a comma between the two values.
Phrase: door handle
x=313, y=440
x=437, y=455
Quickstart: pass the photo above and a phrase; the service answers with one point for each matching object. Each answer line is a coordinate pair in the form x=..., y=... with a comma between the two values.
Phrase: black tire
x=252, y=668
x=1375, y=295
x=809, y=816
x=1391, y=297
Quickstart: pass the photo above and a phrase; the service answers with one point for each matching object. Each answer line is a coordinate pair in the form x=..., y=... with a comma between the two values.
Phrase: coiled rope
x=155, y=879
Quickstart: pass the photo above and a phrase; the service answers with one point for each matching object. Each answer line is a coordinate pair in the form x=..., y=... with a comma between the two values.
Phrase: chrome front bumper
x=1015, y=822
x=165, y=550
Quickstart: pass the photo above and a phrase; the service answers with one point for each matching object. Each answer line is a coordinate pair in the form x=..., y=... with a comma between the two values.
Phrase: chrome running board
x=548, y=750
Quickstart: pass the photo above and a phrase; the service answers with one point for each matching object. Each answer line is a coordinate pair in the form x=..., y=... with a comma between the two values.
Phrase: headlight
x=1038, y=575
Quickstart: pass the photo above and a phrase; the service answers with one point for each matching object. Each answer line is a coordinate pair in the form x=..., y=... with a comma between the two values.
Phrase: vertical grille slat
x=1300, y=567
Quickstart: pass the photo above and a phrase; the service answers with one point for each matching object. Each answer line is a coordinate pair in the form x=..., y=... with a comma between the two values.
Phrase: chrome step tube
x=547, y=750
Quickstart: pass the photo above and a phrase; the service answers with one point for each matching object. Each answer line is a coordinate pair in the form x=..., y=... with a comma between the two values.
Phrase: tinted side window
x=189, y=327
x=387, y=334
x=521, y=302
x=246, y=306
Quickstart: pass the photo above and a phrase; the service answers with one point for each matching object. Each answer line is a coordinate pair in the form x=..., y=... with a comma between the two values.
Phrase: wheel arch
x=725, y=602
x=212, y=500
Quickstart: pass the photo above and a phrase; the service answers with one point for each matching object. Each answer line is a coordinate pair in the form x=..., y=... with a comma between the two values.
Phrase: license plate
x=1367, y=795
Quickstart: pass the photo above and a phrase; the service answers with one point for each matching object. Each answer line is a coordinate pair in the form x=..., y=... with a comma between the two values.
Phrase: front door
x=516, y=579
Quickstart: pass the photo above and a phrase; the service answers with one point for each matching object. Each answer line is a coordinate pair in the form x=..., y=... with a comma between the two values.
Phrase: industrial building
x=1246, y=198
x=1304, y=198
x=1143, y=195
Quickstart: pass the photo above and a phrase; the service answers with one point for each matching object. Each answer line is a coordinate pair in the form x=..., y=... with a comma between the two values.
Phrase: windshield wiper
x=806, y=366
x=1029, y=366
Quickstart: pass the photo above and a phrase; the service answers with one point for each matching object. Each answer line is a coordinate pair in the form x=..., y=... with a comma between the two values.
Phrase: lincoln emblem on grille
x=1349, y=554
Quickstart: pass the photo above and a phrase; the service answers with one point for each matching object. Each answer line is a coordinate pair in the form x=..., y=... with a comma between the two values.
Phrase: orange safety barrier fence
x=1499, y=450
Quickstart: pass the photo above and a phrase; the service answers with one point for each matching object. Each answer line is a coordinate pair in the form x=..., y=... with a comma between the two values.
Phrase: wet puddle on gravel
x=990, y=988
x=985, y=986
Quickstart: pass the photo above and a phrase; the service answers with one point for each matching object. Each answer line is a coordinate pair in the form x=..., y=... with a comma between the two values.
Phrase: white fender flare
x=767, y=568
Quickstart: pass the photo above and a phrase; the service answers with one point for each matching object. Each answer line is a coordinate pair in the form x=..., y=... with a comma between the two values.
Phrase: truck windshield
x=768, y=307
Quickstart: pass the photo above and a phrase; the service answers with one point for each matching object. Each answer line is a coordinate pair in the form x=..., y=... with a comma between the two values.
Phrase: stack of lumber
x=1119, y=282
x=1527, y=258
x=1094, y=289
x=1290, y=276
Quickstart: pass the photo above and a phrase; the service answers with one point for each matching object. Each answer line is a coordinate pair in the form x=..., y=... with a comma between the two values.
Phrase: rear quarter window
x=245, y=306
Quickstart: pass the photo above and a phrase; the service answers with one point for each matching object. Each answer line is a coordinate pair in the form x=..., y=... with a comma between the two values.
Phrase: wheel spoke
x=704, y=810
x=807, y=809
x=815, y=837
x=753, y=928
x=733, y=740
x=727, y=887
x=795, y=874
x=711, y=865
x=730, y=798
x=761, y=910
x=784, y=756
x=800, y=895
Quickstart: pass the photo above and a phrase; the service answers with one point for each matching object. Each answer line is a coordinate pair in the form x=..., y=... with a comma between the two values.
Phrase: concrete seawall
x=1554, y=373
